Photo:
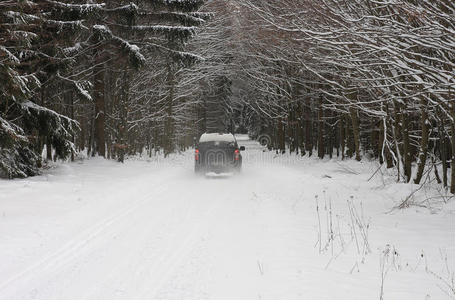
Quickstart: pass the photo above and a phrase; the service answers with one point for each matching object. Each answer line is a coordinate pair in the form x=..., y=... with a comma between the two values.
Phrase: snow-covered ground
x=285, y=228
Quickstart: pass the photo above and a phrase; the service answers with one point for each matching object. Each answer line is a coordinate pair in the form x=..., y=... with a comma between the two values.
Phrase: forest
x=370, y=79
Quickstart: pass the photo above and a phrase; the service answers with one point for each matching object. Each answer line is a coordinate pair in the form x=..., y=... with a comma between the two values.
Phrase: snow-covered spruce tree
x=33, y=35
x=146, y=103
x=177, y=59
x=99, y=63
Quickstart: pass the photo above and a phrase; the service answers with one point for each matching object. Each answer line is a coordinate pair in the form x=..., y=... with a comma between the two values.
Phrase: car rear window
x=217, y=137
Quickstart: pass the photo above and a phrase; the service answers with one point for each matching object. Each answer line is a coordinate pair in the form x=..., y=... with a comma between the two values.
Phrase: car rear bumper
x=235, y=167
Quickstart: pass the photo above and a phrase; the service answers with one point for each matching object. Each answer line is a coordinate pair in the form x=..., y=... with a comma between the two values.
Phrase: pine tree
x=158, y=31
x=33, y=35
x=55, y=58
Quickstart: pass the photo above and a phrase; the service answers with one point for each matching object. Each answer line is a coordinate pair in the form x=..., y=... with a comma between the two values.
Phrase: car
x=218, y=153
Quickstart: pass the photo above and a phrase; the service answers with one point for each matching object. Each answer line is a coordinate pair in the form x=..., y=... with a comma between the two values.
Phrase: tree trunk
x=321, y=149
x=308, y=130
x=452, y=165
x=337, y=134
x=423, y=142
x=348, y=136
x=169, y=121
x=123, y=114
x=443, y=146
x=291, y=132
x=342, y=136
x=99, y=140
x=83, y=134
x=355, y=131
x=73, y=137
x=396, y=131
x=406, y=145
x=381, y=140
x=48, y=149
x=331, y=130
x=281, y=137
x=300, y=130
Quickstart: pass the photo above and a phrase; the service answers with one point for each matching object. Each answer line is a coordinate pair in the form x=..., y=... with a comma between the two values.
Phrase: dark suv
x=218, y=153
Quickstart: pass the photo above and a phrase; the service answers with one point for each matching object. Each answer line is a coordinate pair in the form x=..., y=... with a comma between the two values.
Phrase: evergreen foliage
x=54, y=65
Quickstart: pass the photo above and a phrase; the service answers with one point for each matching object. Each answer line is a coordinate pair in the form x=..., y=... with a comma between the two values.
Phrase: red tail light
x=236, y=154
x=196, y=154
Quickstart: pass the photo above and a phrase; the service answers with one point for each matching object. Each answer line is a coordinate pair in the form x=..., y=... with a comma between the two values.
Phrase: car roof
x=217, y=137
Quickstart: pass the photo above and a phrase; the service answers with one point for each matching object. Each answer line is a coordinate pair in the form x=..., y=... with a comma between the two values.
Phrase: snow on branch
x=202, y=15
x=69, y=51
x=60, y=123
x=65, y=26
x=20, y=18
x=173, y=32
x=8, y=56
x=11, y=130
x=136, y=58
x=81, y=87
x=80, y=9
x=133, y=51
x=129, y=8
x=188, y=57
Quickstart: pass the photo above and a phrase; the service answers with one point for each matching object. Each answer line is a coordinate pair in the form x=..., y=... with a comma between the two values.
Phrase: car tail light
x=196, y=154
x=236, y=154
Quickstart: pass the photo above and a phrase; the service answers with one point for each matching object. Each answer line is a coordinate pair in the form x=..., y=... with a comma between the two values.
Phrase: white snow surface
x=150, y=229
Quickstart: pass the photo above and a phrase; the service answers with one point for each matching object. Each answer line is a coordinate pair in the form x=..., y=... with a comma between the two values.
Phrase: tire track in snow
x=71, y=250
x=186, y=239
x=145, y=234
x=152, y=259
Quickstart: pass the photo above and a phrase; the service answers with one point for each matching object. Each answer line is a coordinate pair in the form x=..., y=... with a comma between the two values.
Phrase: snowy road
x=152, y=230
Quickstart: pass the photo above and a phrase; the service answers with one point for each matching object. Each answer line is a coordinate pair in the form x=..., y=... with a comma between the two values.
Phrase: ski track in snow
x=73, y=249
x=152, y=230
